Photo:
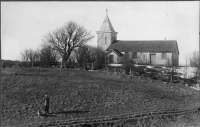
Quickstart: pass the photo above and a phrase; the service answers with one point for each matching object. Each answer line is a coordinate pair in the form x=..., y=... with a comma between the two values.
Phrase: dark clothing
x=46, y=101
x=46, y=109
x=46, y=105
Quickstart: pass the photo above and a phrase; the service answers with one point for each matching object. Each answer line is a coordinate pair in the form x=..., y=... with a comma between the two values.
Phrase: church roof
x=115, y=51
x=144, y=46
x=107, y=26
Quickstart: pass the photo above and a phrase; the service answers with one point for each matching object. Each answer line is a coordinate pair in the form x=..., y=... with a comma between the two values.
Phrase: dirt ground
x=80, y=93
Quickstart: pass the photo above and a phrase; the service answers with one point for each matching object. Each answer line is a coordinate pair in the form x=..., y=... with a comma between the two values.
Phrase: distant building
x=156, y=52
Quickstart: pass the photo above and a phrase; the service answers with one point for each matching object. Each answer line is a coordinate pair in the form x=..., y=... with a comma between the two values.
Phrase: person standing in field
x=46, y=104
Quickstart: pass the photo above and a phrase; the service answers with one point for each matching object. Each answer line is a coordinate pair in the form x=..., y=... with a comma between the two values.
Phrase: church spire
x=107, y=26
x=106, y=12
x=106, y=35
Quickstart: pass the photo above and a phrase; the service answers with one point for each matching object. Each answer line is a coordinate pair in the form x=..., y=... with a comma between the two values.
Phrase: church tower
x=106, y=35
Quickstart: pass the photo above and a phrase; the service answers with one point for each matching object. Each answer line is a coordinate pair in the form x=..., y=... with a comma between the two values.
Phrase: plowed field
x=80, y=93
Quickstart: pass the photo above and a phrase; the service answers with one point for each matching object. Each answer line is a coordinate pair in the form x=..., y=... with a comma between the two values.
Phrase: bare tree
x=36, y=55
x=67, y=38
x=86, y=54
x=25, y=55
x=101, y=58
x=194, y=62
x=48, y=55
x=194, y=59
x=187, y=60
x=31, y=56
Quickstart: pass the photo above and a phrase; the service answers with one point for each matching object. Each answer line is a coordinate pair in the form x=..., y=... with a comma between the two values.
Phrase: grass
x=74, y=92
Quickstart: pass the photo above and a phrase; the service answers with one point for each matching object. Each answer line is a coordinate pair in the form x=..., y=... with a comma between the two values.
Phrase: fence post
x=130, y=71
x=92, y=67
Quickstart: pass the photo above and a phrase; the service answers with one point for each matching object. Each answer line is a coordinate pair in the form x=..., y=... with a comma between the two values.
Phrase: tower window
x=105, y=40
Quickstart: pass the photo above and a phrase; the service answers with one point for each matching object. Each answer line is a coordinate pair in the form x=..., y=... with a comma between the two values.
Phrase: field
x=80, y=93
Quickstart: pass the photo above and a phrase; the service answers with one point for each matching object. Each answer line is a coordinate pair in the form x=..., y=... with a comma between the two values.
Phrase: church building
x=152, y=52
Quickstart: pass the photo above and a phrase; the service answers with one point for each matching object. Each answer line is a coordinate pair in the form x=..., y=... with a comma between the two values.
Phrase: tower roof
x=107, y=26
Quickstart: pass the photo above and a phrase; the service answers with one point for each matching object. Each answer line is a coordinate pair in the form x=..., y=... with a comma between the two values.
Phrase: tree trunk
x=65, y=58
x=61, y=64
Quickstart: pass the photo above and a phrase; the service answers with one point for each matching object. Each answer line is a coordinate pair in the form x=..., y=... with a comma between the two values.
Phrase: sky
x=23, y=24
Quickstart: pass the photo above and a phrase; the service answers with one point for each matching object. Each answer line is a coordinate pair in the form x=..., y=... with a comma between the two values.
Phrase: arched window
x=105, y=40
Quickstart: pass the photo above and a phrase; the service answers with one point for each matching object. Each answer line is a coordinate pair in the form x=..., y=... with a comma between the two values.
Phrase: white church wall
x=168, y=60
x=148, y=57
x=158, y=58
x=161, y=61
x=169, y=56
x=145, y=57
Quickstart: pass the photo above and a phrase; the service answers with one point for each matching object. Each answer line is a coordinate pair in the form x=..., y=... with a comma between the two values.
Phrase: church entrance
x=152, y=58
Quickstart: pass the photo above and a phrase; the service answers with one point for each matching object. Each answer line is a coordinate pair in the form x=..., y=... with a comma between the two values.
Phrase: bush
x=127, y=65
